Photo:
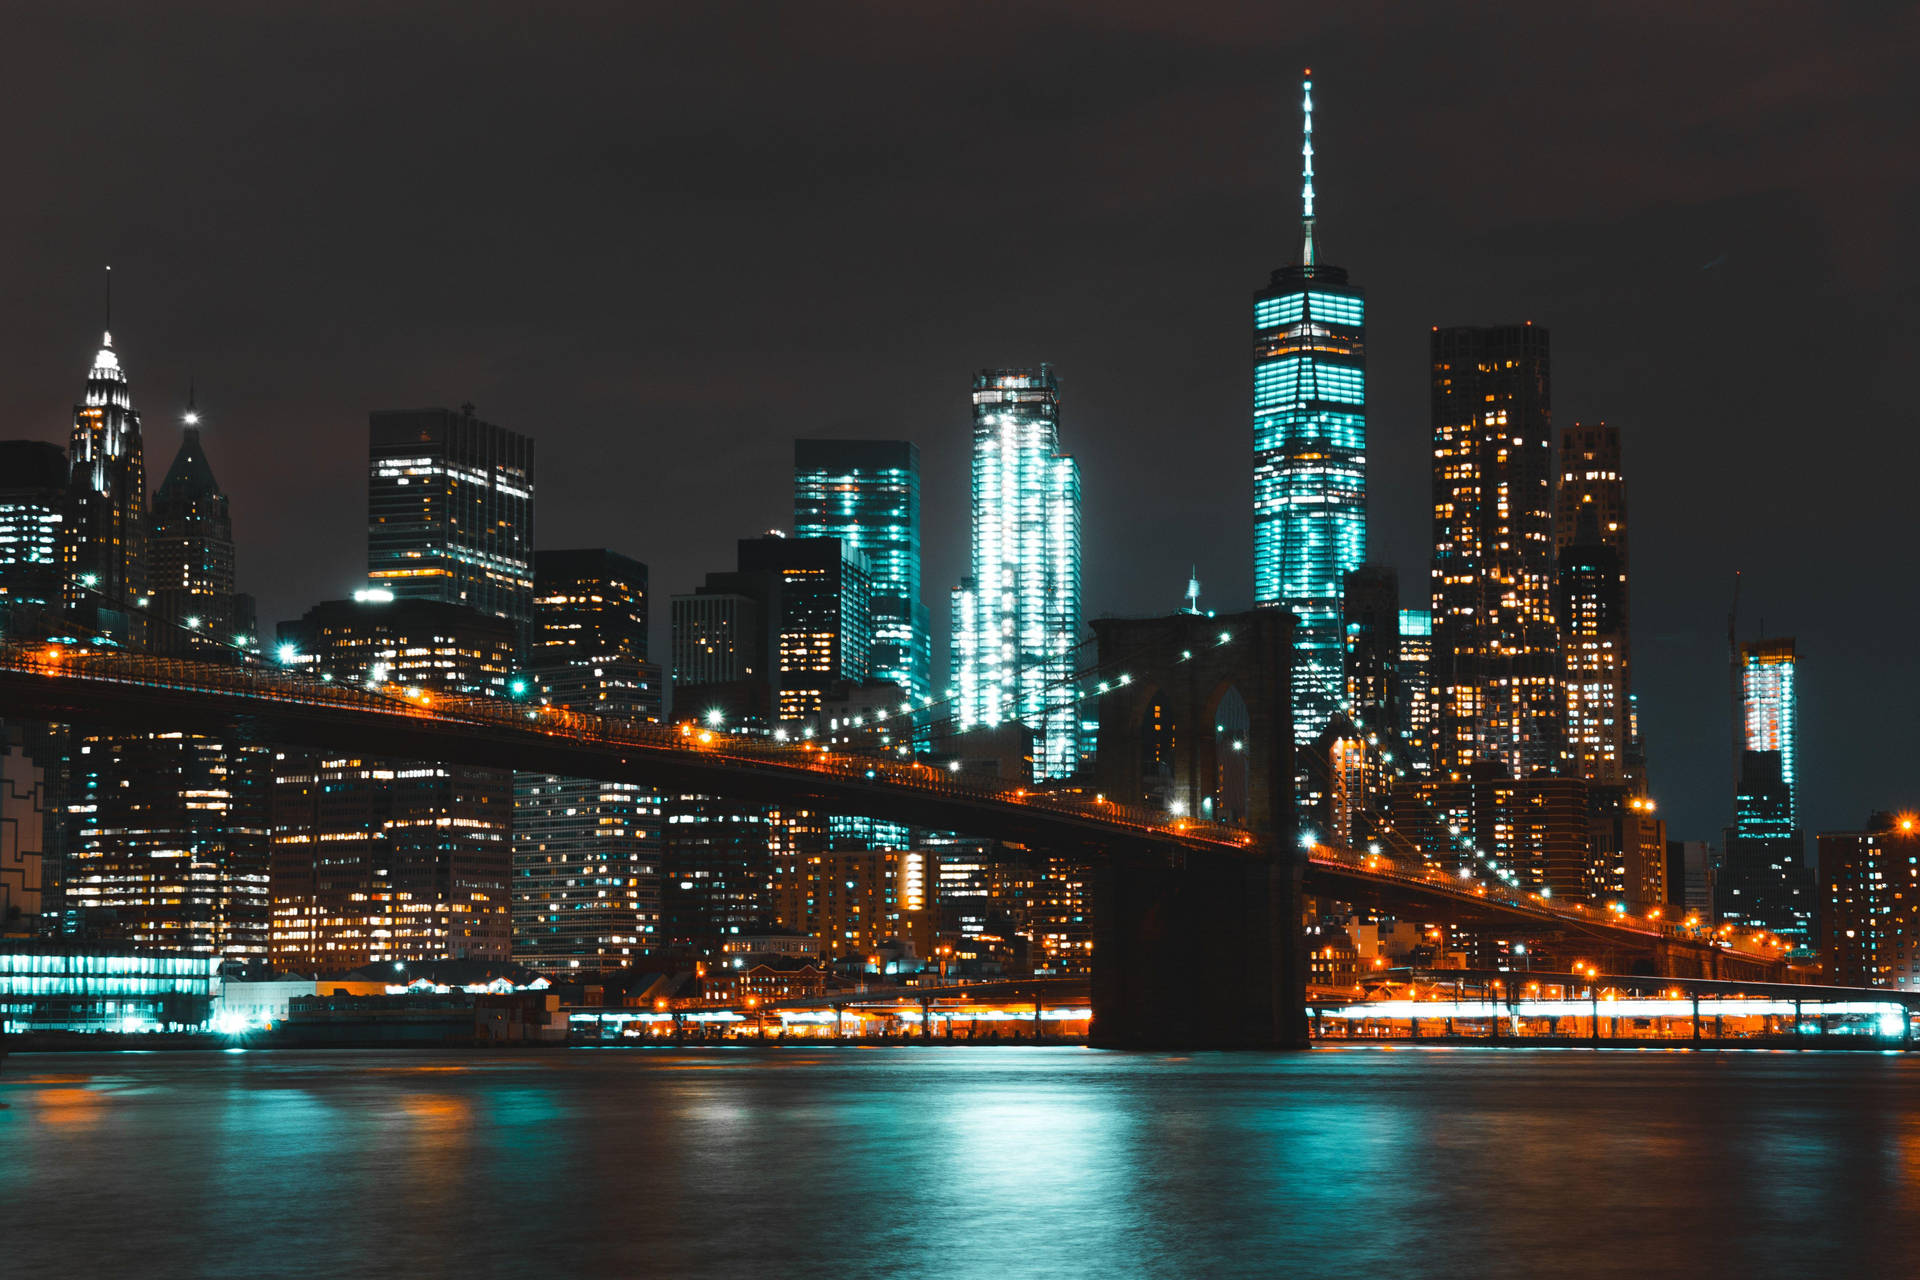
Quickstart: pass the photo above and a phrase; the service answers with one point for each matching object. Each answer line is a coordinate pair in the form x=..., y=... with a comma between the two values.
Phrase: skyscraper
x=33, y=488
x=1416, y=690
x=1590, y=538
x=1498, y=679
x=1769, y=712
x=867, y=494
x=586, y=853
x=1765, y=881
x=105, y=556
x=166, y=839
x=1310, y=454
x=450, y=511
x=195, y=609
x=824, y=631
x=1016, y=619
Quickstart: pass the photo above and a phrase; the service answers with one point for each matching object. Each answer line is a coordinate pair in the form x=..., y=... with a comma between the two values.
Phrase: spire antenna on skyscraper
x=108, y=331
x=1306, y=168
x=192, y=415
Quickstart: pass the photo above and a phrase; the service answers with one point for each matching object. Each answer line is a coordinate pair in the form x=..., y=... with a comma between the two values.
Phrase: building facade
x=1416, y=692
x=104, y=559
x=377, y=859
x=33, y=489
x=1870, y=903
x=1498, y=677
x=1770, y=708
x=167, y=844
x=822, y=602
x=196, y=610
x=1016, y=618
x=1310, y=455
x=1764, y=881
x=867, y=494
x=1590, y=540
x=586, y=852
x=450, y=511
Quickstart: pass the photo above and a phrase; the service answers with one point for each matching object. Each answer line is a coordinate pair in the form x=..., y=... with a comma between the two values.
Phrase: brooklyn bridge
x=1198, y=935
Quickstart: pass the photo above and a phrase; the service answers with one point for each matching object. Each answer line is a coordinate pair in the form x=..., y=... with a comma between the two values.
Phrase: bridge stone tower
x=1200, y=951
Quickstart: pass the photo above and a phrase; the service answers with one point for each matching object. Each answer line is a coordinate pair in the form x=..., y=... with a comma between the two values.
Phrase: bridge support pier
x=1209, y=955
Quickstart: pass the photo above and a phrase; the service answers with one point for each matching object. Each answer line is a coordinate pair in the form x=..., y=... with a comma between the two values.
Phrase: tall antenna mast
x=109, y=329
x=1306, y=169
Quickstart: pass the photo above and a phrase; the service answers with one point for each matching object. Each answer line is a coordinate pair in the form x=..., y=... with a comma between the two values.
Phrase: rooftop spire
x=1306, y=168
x=192, y=416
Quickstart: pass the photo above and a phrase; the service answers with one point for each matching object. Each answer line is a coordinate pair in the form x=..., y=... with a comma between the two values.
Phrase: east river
x=949, y=1161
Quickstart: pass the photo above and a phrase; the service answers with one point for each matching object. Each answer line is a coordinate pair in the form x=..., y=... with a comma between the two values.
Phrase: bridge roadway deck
x=263, y=703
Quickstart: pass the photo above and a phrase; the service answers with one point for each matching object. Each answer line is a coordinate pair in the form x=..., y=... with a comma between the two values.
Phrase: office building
x=1416, y=690
x=586, y=852
x=195, y=611
x=375, y=859
x=589, y=604
x=1627, y=849
x=854, y=896
x=167, y=844
x=1537, y=830
x=1590, y=540
x=1016, y=618
x=719, y=635
x=1310, y=454
x=716, y=880
x=765, y=644
x=1870, y=904
x=824, y=632
x=1498, y=678
x=1764, y=880
x=1770, y=708
x=104, y=556
x=33, y=493
x=425, y=644
x=450, y=511
x=867, y=494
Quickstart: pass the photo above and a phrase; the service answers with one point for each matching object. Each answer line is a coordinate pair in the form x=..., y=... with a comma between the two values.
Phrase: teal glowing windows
x=1310, y=439
x=1016, y=619
x=1771, y=708
x=1335, y=308
x=867, y=494
x=1269, y=313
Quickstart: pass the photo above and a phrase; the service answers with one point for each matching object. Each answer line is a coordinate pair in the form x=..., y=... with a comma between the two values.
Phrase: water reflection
x=963, y=1161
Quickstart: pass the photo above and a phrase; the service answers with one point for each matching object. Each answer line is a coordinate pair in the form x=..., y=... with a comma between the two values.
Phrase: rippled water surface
x=961, y=1161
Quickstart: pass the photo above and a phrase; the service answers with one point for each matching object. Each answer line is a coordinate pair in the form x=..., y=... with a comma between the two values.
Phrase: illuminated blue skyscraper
x=867, y=494
x=1310, y=455
x=1016, y=620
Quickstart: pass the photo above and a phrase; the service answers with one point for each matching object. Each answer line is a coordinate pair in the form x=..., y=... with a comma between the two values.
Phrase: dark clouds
x=668, y=239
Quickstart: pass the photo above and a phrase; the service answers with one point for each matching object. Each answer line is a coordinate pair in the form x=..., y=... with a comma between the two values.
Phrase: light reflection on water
x=964, y=1161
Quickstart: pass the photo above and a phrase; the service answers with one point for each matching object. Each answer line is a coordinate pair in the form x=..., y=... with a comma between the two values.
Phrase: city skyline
x=1508, y=267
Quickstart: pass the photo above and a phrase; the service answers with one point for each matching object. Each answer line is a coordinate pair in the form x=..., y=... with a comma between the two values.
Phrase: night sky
x=665, y=240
